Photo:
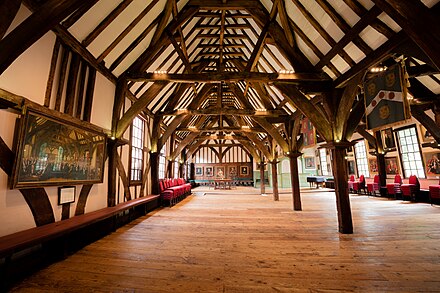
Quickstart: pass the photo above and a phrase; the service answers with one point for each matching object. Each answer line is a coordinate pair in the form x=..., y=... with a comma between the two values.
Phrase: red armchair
x=350, y=183
x=434, y=192
x=359, y=185
x=372, y=187
x=410, y=189
x=394, y=188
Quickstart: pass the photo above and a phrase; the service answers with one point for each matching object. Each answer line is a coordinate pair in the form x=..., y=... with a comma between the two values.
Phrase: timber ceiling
x=210, y=67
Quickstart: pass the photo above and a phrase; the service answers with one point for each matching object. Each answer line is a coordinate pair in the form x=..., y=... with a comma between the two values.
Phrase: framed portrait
x=351, y=168
x=244, y=170
x=220, y=172
x=388, y=139
x=391, y=166
x=199, y=171
x=208, y=171
x=372, y=163
x=56, y=152
x=432, y=164
x=426, y=136
x=232, y=171
x=309, y=163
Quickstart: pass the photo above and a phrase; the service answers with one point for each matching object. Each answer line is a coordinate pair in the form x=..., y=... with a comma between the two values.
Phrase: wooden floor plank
x=241, y=242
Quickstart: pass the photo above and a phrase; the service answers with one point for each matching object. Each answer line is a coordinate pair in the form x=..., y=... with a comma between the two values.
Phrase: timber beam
x=223, y=111
x=218, y=77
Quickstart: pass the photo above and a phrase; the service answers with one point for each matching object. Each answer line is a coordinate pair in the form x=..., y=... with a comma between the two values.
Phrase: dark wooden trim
x=43, y=233
x=8, y=11
x=49, y=14
x=53, y=67
x=40, y=206
x=82, y=199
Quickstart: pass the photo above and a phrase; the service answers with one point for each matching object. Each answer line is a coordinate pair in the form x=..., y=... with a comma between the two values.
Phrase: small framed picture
x=392, y=166
x=309, y=163
x=66, y=194
x=208, y=171
x=199, y=171
x=244, y=170
x=388, y=139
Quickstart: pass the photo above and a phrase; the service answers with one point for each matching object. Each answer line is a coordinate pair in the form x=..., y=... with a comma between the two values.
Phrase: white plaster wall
x=103, y=98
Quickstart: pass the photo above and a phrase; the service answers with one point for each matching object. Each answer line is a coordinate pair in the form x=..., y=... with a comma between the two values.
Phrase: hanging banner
x=385, y=98
x=308, y=132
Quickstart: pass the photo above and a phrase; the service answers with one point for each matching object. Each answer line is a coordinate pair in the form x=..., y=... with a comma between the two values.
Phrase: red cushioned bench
x=173, y=190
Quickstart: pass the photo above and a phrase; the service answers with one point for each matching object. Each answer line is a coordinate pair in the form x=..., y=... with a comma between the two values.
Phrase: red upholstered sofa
x=173, y=190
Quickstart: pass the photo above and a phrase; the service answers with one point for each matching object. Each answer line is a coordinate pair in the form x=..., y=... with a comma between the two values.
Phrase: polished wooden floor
x=239, y=241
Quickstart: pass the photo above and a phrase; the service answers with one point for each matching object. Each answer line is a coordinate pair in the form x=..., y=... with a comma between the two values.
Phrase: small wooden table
x=222, y=183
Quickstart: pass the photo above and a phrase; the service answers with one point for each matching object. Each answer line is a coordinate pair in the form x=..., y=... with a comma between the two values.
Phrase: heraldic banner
x=385, y=98
x=308, y=131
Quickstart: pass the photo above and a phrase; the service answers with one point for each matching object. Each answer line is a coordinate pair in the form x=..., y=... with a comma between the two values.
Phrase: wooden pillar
x=169, y=169
x=294, y=178
x=154, y=164
x=341, y=186
x=192, y=171
x=381, y=167
x=262, y=178
x=112, y=153
x=181, y=169
x=274, y=163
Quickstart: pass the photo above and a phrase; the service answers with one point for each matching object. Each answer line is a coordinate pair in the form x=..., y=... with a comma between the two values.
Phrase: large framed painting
x=432, y=164
x=208, y=171
x=392, y=166
x=309, y=163
x=244, y=170
x=372, y=163
x=56, y=152
x=351, y=168
x=388, y=139
x=220, y=172
x=232, y=171
x=199, y=171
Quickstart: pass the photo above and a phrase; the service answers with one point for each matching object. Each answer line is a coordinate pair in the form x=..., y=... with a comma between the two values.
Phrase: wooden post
x=262, y=178
x=154, y=165
x=341, y=185
x=192, y=170
x=112, y=153
x=293, y=157
x=276, y=196
x=381, y=167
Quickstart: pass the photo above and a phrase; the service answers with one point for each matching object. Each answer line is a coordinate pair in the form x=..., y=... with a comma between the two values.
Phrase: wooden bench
x=29, y=238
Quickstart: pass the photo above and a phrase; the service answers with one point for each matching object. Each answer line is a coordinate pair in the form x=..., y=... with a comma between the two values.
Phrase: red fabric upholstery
x=434, y=191
x=372, y=187
x=411, y=188
x=350, y=182
x=394, y=188
x=173, y=190
x=359, y=185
